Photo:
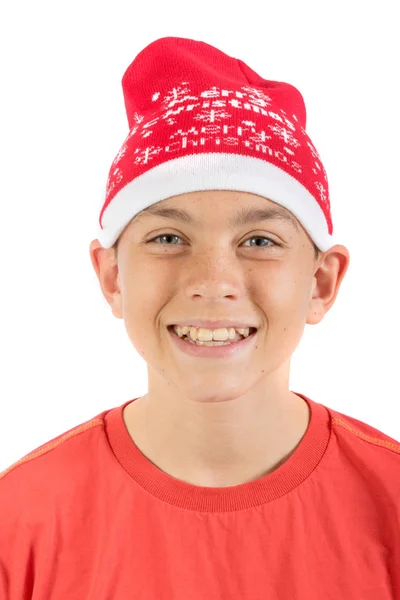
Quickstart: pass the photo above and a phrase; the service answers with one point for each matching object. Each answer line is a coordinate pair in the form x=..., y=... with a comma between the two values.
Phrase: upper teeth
x=207, y=335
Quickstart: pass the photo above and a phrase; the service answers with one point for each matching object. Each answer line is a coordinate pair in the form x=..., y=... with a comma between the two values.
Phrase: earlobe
x=316, y=311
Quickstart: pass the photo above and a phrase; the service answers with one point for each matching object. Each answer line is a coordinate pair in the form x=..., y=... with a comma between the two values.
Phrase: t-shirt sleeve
x=17, y=539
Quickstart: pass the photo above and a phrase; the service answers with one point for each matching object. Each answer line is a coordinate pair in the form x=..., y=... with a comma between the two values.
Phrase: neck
x=218, y=444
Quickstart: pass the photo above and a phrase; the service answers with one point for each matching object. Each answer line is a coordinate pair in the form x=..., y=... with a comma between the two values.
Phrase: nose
x=215, y=275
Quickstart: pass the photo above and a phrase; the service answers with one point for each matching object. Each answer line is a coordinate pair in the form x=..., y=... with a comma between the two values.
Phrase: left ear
x=333, y=265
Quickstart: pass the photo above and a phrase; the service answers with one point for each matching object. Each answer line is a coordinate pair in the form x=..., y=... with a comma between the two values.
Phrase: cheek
x=283, y=295
x=145, y=292
x=284, y=302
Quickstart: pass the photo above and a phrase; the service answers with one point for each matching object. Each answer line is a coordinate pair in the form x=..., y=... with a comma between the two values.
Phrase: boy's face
x=215, y=271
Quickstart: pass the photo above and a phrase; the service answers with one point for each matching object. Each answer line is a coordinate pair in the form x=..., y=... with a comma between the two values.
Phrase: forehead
x=254, y=211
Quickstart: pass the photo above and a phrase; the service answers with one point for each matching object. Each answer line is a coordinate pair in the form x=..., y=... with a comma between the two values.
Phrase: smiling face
x=210, y=266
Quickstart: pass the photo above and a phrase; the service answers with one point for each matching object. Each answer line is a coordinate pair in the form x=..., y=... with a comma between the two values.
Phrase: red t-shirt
x=87, y=516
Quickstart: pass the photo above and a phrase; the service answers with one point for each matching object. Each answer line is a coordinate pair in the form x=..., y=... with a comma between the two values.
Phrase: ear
x=331, y=268
x=106, y=269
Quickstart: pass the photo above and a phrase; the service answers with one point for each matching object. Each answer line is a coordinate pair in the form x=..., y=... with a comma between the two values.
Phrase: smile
x=214, y=348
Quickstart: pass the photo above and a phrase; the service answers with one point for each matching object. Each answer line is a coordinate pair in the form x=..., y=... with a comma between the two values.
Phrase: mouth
x=240, y=334
x=235, y=349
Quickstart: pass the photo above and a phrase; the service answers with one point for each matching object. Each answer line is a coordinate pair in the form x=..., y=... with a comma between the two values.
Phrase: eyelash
x=178, y=236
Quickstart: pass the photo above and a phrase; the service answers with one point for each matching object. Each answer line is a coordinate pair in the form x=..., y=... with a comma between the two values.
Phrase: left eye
x=172, y=235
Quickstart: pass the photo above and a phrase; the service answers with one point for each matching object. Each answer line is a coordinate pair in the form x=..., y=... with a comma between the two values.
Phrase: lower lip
x=233, y=349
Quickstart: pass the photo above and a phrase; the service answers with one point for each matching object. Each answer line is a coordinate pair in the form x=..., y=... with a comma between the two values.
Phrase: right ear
x=106, y=269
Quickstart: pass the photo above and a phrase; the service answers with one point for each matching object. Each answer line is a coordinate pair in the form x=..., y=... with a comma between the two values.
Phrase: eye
x=164, y=235
x=253, y=237
x=262, y=237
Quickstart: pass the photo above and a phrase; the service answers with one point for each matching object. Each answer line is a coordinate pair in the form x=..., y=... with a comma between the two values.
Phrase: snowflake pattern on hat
x=211, y=120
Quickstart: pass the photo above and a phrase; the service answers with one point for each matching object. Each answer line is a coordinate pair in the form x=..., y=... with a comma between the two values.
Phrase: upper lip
x=213, y=324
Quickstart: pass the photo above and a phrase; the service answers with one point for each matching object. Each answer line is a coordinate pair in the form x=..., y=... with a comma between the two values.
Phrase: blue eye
x=173, y=235
x=262, y=237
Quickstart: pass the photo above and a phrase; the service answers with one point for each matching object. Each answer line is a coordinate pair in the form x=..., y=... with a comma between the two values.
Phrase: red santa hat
x=202, y=120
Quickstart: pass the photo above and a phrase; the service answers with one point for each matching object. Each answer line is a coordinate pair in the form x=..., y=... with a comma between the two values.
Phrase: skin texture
x=217, y=422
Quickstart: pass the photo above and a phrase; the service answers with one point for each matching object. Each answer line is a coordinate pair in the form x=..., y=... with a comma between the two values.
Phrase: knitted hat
x=202, y=120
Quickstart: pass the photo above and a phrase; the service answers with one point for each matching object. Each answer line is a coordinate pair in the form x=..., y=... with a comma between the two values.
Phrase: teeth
x=208, y=335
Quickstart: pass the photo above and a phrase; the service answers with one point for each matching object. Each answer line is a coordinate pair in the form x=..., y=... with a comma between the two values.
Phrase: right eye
x=164, y=235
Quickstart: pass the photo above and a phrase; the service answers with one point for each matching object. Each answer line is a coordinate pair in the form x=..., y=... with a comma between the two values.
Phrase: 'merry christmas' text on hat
x=202, y=120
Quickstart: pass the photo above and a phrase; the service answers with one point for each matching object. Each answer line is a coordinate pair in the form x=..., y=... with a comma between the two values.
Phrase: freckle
x=285, y=329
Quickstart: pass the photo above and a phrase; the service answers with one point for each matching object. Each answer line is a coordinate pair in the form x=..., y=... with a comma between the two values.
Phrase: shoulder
x=368, y=450
x=52, y=469
x=363, y=433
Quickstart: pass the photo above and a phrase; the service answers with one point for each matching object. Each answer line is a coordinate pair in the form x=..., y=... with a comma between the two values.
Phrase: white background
x=64, y=357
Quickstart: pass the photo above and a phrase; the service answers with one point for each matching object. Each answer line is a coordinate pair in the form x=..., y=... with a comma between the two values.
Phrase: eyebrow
x=243, y=217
